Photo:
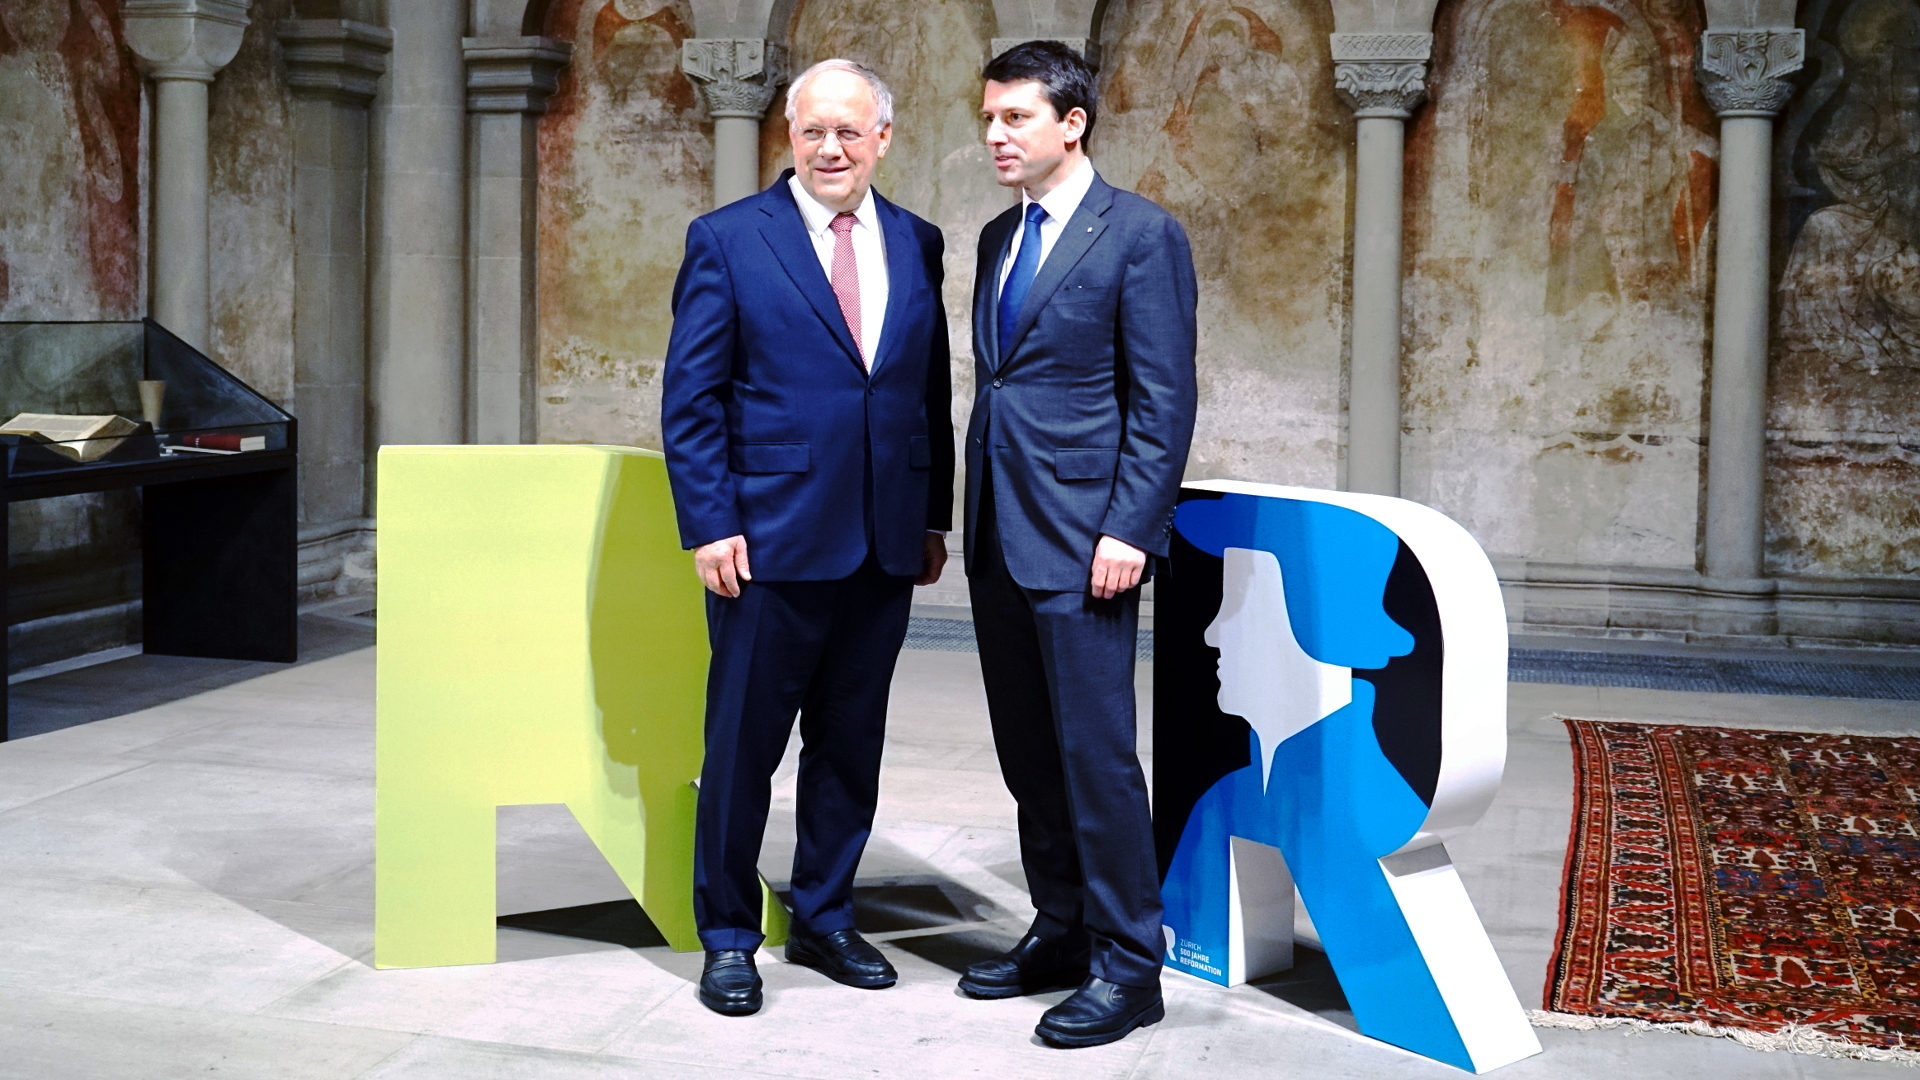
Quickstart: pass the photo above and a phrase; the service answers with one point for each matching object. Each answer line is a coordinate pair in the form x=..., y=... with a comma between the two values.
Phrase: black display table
x=218, y=530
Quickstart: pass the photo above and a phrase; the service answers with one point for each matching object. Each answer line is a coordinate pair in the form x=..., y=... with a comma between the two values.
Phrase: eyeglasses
x=845, y=136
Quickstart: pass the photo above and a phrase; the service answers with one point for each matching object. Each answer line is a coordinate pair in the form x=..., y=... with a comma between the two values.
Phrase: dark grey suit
x=1080, y=427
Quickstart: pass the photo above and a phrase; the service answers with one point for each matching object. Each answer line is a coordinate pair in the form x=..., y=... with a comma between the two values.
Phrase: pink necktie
x=846, y=278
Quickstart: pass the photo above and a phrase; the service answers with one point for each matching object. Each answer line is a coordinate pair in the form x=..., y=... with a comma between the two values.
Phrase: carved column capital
x=513, y=74
x=184, y=39
x=335, y=59
x=1743, y=72
x=1382, y=74
x=739, y=76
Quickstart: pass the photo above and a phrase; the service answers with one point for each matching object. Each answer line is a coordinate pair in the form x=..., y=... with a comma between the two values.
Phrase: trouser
x=823, y=649
x=1058, y=668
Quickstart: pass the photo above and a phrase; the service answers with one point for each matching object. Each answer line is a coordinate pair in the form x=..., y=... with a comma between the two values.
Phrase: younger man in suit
x=805, y=420
x=1083, y=330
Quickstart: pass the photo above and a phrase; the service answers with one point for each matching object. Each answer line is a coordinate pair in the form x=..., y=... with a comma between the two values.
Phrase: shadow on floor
x=884, y=908
x=615, y=922
x=133, y=683
x=1310, y=985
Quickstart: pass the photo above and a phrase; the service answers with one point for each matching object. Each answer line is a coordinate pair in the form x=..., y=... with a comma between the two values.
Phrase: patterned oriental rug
x=1760, y=885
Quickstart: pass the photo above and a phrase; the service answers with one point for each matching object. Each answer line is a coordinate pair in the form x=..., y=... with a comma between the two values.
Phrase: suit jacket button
x=997, y=384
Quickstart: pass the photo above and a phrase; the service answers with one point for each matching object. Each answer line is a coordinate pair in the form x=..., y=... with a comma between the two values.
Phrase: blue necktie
x=1026, y=263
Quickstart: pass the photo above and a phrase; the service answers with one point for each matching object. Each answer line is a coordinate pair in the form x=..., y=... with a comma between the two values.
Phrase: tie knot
x=842, y=223
x=1036, y=213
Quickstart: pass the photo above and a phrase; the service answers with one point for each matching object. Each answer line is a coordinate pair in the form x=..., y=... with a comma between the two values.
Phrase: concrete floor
x=188, y=890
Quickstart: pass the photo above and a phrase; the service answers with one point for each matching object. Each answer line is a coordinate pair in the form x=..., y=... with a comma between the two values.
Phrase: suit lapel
x=1082, y=229
x=897, y=237
x=986, y=290
x=785, y=231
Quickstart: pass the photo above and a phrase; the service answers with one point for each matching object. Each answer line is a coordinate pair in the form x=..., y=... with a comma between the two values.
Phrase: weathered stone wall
x=70, y=163
x=1225, y=114
x=1843, y=479
x=71, y=198
x=250, y=211
x=626, y=159
x=1559, y=189
x=1560, y=195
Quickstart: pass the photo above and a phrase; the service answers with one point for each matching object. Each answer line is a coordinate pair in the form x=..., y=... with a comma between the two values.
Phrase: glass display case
x=98, y=396
x=99, y=406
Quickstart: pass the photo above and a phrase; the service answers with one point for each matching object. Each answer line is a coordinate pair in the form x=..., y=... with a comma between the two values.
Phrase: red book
x=225, y=442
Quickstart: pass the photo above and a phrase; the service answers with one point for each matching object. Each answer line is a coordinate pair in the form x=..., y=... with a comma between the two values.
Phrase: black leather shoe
x=1101, y=1012
x=1033, y=966
x=729, y=983
x=843, y=956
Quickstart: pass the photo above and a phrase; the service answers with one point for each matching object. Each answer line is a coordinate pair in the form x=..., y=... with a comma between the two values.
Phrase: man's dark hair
x=1064, y=74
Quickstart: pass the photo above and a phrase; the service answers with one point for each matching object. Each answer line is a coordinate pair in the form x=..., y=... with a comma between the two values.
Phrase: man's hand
x=723, y=565
x=1117, y=566
x=936, y=559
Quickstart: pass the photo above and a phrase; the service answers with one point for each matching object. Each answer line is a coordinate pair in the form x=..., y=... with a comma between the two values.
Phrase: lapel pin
x=1089, y=228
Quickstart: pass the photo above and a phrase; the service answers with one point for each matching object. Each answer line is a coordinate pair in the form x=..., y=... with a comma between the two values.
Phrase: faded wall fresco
x=1225, y=114
x=71, y=186
x=1558, y=193
x=1843, y=483
x=70, y=163
x=938, y=167
x=626, y=154
x=250, y=210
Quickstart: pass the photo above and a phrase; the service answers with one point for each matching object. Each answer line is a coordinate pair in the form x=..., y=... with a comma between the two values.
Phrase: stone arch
x=779, y=17
x=533, y=20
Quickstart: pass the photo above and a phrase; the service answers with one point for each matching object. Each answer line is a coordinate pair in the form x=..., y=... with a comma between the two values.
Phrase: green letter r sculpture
x=541, y=640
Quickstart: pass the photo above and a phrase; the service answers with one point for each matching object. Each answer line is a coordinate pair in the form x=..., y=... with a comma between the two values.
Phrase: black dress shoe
x=1101, y=1012
x=1033, y=966
x=729, y=983
x=843, y=956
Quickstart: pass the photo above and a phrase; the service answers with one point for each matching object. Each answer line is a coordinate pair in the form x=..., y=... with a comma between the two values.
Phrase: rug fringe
x=1767, y=726
x=1791, y=1039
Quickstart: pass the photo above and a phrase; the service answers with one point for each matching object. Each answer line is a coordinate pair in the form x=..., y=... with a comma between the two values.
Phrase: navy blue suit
x=1081, y=425
x=774, y=430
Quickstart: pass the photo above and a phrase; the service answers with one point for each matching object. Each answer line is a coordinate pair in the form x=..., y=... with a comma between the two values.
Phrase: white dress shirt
x=869, y=259
x=1060, y=203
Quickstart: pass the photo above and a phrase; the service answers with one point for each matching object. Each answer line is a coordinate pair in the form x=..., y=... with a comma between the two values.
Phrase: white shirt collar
x=819, y=216
x=1065, y=198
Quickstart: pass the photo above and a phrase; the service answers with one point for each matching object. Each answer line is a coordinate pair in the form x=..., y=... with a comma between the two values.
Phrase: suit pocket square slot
x=790, y=457
x=1089, y=464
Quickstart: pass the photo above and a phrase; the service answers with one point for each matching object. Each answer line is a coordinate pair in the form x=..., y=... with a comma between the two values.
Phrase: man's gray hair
x=882, y=97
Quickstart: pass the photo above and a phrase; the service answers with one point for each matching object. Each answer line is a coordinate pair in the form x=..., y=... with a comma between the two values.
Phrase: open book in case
x=107, y=395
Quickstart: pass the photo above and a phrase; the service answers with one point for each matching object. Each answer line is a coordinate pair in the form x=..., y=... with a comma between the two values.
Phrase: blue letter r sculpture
x=1329, y=705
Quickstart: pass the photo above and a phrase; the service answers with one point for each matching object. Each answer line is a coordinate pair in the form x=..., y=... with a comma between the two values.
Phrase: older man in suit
x=1083, y=330
x=805, y=415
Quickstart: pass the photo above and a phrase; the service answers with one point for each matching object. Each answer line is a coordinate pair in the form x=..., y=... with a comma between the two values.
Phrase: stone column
x=1383, y=76
x=508, y=83
x=417, y=227
x=739, y=77
x=1742, y=74
x=333, y=68
x=182, y=44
